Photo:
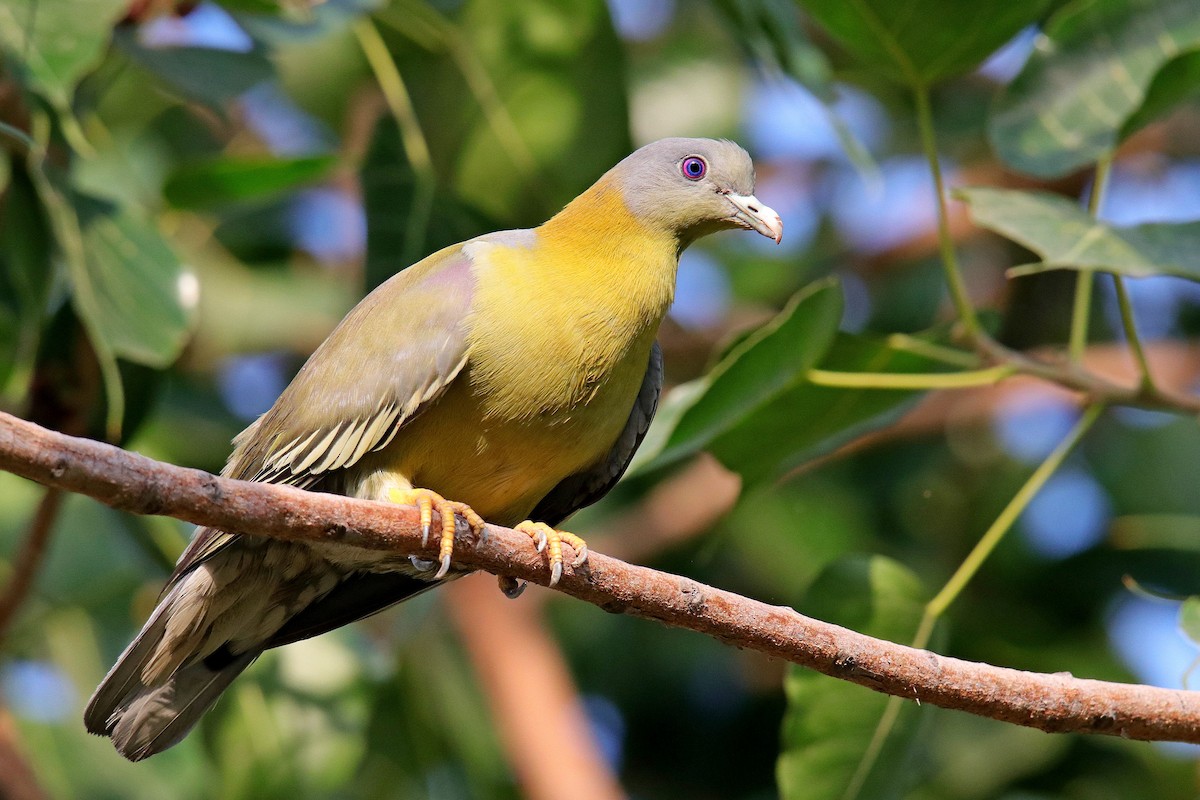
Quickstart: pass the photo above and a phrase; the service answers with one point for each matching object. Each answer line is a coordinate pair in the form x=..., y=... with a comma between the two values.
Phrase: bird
x=510, y=378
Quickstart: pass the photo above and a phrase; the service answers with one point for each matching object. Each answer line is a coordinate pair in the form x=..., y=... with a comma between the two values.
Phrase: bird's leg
x=551, y=540
x=427, y=502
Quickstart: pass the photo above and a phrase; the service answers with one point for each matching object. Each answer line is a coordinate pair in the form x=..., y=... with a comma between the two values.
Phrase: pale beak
x=756, y=216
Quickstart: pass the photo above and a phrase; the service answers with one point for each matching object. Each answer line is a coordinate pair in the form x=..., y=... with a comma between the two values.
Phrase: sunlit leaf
x=1088, y=77
x=134, y=279
x=1066, y=237
x=228, y=180
x=1189, y=618
x=829, y=723
x=919, y=42
x=754, y=373
x=55, y=44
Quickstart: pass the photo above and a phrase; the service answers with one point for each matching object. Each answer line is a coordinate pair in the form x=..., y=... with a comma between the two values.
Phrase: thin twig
x=1055, y=703
x=29, y=559
x=1131, y=334
x=17, y=778
x=1081, y=311
x=954, y=277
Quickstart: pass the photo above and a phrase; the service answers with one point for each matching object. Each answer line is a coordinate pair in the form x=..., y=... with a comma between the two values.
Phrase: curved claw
x=441, y=573
x=512, y=587
x=421, y=564
x=580, y=557
x=556, y=573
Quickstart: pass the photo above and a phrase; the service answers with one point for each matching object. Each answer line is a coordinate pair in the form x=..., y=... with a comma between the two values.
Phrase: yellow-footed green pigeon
x=507, y=378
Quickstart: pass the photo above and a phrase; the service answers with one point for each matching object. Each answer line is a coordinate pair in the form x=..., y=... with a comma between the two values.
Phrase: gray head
x=693, y=187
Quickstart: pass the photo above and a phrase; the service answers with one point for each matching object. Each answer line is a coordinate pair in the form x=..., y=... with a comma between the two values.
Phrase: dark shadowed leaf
x=54, y=44
x=206, y=75
x=919, y=42
x=1177, y=82
x=1066, y=237
x=229, y=180
x=770, y=31
x=405, y=220
x=528, y=99
x=1087, y=79
x=752, y=375
x=807, y=421
x=829, y=723
x=26, y=276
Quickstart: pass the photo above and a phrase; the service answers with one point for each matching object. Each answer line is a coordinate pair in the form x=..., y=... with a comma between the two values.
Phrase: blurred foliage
x=193, y=195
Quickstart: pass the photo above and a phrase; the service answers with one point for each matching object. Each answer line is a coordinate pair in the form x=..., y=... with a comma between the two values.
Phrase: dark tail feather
x=145, y=706
x=154, y=718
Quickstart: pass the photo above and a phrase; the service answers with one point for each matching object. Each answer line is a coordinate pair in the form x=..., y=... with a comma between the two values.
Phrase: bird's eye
x=693, y=168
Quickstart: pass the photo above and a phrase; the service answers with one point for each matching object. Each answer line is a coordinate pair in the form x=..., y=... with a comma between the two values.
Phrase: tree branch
x=29, y=558
x=1056, y=703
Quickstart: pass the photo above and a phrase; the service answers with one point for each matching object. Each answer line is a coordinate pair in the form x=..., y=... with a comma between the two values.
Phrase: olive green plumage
x=516, y=372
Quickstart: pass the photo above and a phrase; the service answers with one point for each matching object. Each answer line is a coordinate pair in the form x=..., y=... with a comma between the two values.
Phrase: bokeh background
x=241, y=172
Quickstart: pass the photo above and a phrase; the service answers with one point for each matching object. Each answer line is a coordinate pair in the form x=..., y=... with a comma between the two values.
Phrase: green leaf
x=137, y=284
x=829, y=724
x=770, y=31
x=26, y=277
x=753, y=374
x=919, y=42
x=405, y=219
x=229, y=180
x=1176, y=82
x=807, y=421
x=1189, y=618
x=54, y=44
x=528, y=99
x=1066, y=237
x=1091, y=72
x=207, y=75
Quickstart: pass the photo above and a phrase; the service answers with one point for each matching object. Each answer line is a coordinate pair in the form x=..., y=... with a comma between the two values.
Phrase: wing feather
x=357, y=391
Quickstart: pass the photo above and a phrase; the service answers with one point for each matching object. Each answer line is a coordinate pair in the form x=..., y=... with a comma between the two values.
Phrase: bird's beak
x=756, y=216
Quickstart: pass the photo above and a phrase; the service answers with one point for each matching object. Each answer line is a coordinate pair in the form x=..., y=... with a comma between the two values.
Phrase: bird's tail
x=221, y=611
x=164, y=681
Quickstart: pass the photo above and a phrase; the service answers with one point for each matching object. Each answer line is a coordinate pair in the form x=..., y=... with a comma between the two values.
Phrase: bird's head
x=693, y=187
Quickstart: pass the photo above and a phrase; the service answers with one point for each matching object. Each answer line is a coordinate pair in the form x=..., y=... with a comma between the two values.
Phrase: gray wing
x=355, y=392
x=584, y=488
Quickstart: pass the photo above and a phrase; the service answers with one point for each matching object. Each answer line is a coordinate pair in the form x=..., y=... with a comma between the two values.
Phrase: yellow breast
x=560, y=337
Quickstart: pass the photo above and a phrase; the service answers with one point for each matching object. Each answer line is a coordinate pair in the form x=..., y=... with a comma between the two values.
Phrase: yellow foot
x=427, y=502
x=552, y=540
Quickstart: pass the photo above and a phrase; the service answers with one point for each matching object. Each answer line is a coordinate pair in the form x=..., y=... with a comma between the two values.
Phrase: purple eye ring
x=693, y=168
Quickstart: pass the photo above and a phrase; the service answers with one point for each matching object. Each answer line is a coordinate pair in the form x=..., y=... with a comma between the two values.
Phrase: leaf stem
x=954, y=278
x=1131, y=334
x=412, y=136
x=947, y=355
x=29, y=560
x=1081, y=311
x=69, y=236
x=897, y=380
x=1002, y=524
x=937, y=606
